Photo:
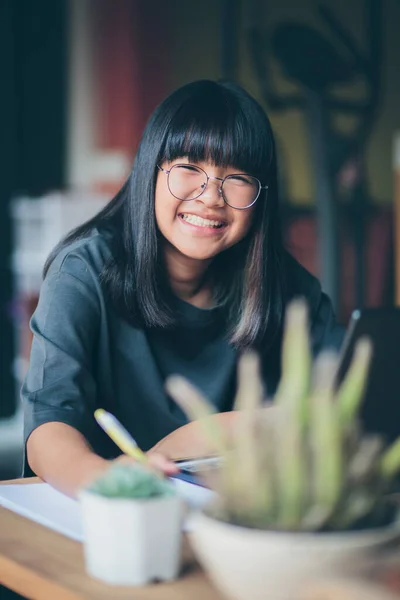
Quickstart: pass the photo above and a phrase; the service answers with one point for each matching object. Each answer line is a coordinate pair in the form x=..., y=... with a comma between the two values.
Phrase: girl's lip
x=208, y=217
x=201, y=229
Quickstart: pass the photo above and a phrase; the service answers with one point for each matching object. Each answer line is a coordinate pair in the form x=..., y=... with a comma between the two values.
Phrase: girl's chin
x=197, y=250
x=194, y=253
x=197, y=256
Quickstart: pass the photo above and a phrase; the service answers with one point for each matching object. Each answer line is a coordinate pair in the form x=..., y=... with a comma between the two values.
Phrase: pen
x=119, y=435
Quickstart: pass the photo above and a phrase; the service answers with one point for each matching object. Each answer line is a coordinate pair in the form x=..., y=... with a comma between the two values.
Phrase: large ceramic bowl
x=250, y=564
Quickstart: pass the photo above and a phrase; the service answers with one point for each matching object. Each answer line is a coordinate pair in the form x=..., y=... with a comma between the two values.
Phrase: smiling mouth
x=200, y=222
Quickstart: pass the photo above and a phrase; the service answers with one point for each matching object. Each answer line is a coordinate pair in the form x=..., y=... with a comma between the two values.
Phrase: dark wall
x=33, y=61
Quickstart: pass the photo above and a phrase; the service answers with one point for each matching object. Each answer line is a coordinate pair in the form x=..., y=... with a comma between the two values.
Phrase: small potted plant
x=302, y=492
x=132, y=521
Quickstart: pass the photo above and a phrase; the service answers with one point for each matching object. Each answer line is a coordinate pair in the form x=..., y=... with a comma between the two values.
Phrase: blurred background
x=81, y=77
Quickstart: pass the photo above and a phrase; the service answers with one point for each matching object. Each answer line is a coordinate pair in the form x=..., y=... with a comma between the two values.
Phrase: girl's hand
x=156, y=461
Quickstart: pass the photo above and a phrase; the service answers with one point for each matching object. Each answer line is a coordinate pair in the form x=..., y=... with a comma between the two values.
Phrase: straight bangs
x=216, y=127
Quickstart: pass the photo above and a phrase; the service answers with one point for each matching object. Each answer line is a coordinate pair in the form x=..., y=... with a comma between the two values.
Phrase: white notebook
x=45, y=505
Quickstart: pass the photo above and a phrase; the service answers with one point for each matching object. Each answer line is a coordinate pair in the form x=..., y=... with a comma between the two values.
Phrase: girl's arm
x=60, y=391
x=60, y=455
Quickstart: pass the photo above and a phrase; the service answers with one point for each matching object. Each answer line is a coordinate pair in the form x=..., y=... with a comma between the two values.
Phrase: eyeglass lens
x=187, y=182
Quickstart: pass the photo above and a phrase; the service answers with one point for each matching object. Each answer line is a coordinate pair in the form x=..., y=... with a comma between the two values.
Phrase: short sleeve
x=60, y=384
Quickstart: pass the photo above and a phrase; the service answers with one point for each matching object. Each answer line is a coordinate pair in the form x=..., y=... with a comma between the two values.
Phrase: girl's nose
x=212, y=195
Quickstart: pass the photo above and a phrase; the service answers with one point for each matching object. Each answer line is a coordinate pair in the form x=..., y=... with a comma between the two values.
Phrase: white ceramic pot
x=129, y=541
x=250, y=564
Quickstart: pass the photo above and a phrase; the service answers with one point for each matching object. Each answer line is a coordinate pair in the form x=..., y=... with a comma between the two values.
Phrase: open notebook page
x=45, y=505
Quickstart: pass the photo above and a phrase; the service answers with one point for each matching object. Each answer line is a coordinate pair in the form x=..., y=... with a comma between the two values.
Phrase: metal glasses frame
x=220, y=189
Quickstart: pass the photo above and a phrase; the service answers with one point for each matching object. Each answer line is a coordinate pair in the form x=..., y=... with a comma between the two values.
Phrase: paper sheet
x=45, y=505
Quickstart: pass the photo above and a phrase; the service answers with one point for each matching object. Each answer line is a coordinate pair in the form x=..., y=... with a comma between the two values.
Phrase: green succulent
x=301, y=463
x=131, y=481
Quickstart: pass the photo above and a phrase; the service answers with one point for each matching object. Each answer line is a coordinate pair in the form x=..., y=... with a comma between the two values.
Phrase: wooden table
x=41, y=564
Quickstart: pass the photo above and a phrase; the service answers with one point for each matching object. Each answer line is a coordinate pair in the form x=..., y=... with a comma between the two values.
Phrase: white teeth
x=195, y=220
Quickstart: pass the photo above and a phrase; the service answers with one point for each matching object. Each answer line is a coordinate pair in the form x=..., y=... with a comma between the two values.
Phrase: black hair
x=221, y=123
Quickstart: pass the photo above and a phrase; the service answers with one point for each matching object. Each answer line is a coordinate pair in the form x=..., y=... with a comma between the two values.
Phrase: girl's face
x=201, y=228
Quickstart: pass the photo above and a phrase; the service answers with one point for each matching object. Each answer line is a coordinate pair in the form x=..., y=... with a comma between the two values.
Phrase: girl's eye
x=240, y=179
x=191, y=168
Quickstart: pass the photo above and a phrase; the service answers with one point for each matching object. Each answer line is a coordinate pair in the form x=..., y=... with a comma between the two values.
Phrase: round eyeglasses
x=188, y=182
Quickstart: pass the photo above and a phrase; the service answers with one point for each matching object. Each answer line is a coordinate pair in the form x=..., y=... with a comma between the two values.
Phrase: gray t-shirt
x=85, y=356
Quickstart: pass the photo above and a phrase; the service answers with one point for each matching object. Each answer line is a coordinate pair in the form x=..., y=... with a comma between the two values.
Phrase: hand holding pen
x=125, y=442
